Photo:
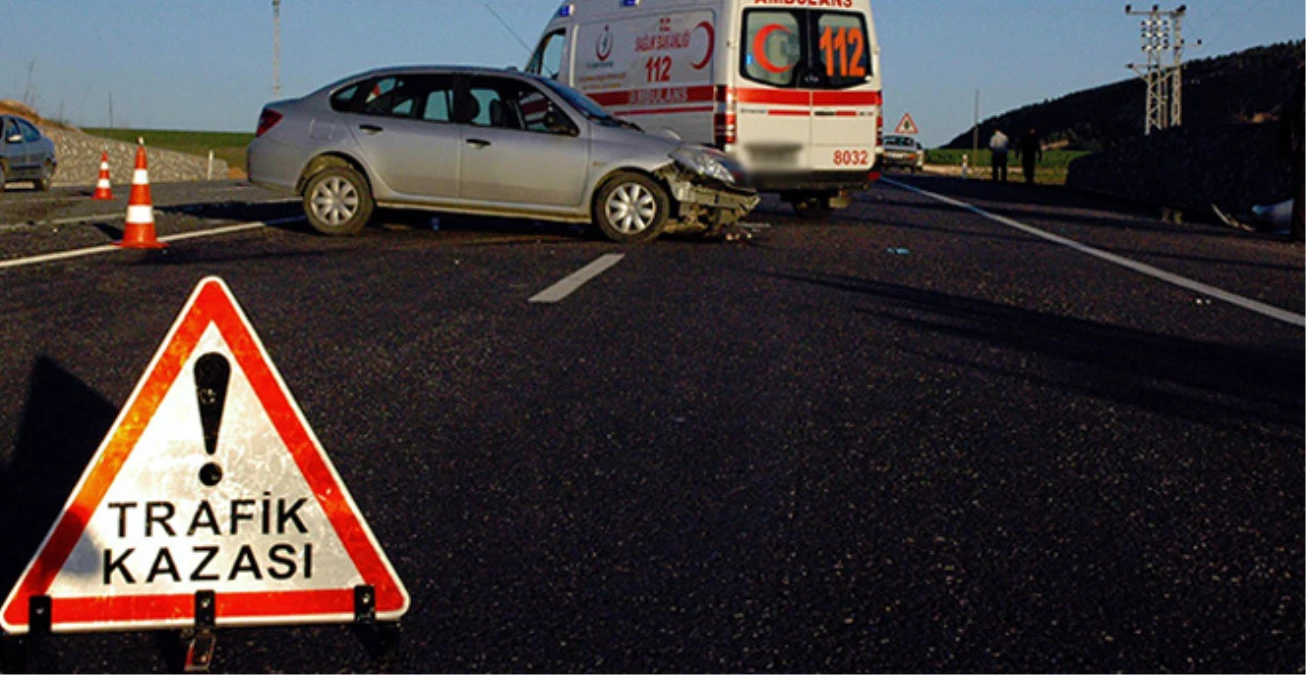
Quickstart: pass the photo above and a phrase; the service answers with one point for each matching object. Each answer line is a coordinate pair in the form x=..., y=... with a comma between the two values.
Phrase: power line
x=1235, y=24
x=507, y=27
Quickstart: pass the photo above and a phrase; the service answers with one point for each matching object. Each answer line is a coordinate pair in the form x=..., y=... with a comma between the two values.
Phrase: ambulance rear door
x=807, y=96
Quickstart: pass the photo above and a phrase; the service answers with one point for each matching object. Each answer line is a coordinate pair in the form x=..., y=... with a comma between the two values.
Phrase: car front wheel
x=631, y=207
x=337, y=201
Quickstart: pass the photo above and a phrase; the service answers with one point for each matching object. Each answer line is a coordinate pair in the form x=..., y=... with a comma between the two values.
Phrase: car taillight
x=266, y=120
x=879, y=131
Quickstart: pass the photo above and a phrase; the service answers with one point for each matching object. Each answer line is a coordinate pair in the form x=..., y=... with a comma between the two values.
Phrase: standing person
x=1294, y=119
x=998, y=144
x=1030, y=151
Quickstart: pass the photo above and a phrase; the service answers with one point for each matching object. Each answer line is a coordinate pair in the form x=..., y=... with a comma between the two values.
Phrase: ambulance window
x=547, y=60
x=772, y=47
x=842, y=50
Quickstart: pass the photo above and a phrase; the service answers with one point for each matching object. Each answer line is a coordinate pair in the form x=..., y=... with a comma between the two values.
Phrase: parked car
x=903, y=152
x=25, y=154
x=485, y=142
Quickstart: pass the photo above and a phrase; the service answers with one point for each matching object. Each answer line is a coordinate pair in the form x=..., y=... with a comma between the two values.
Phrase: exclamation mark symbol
x=212, y=373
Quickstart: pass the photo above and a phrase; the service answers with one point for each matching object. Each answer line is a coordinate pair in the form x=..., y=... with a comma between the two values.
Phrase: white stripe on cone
x=140, y=214
x=102, y=183
x=141, y=177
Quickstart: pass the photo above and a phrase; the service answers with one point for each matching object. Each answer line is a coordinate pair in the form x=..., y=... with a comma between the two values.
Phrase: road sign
x=907, y=125
x=210, y=481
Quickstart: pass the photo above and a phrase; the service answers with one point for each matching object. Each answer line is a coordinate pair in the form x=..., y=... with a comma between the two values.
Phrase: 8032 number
x=852, y=158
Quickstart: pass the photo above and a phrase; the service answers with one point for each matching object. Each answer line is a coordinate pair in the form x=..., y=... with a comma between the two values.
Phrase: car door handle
x=478, y=142
x=370, y=128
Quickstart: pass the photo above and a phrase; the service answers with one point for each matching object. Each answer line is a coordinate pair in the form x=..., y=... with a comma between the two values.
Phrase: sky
x=206, y=65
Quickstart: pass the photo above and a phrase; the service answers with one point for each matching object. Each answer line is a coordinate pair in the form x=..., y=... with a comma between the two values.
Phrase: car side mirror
x=557, y=124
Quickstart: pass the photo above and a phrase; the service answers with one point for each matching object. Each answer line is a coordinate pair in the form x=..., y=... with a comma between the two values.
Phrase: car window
x=439, y=105
x=343, y=100
x=29, y=132
x=507, y=103
x=394, y=96
x=10, y=128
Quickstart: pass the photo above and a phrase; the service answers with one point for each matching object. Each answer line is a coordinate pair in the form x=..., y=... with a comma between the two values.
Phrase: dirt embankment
x=78, y=155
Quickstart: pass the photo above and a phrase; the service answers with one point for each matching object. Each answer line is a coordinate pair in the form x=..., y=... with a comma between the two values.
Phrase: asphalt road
x=918, y=436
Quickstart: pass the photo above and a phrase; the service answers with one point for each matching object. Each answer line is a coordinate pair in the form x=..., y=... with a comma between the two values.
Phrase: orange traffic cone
x=102, y=190
x=139, y=231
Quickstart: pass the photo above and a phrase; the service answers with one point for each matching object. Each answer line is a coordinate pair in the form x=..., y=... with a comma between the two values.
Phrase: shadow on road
x=1061, y=204
x=1178, y=377
x=63, y=423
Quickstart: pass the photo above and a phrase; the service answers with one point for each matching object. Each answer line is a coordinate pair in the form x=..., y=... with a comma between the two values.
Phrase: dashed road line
x=573, y=281
x=1154, y=272
x=109, y=248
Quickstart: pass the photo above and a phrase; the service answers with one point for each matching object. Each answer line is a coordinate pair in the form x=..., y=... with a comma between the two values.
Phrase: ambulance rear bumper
x=808, y=181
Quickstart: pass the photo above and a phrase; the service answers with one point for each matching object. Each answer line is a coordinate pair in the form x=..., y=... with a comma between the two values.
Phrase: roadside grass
x=1052, y=170
x=227, y=146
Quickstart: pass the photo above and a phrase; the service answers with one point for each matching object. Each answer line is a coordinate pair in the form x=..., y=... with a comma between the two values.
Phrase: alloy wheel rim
x=335, y=200
x=631, y=208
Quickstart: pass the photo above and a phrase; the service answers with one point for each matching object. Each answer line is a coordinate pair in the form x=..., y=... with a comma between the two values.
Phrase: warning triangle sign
x=210, y=481
x=907, y=125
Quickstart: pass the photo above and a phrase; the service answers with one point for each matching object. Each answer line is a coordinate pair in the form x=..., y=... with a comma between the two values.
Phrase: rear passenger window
x=439, y=102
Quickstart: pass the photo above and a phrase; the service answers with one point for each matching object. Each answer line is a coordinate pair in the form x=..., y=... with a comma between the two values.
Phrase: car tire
x=3, y=177
x=46, y=179
x=338, y=201
x=631, y=207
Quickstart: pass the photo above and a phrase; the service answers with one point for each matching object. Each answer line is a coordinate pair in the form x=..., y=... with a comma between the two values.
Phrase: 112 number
x=840, y=41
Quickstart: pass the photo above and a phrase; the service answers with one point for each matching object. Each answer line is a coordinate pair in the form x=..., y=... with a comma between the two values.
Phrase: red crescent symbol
x=711, y=44
x=598, y=46
x=759, y=48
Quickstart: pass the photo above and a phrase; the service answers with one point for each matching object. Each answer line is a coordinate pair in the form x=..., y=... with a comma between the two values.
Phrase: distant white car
x=903, y=152
x=25, y=154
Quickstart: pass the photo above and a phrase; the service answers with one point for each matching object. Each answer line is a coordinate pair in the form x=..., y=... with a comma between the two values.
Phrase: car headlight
x=697, y=160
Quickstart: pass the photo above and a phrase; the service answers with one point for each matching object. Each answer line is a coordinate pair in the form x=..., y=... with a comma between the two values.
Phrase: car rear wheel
x=46, y=179
x=631, y=207
x=337, y=201
x=3, y=177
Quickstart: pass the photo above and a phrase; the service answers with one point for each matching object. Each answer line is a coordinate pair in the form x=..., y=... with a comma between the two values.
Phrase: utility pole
x=1161, y=32
x=276, y=49
x=974, y=135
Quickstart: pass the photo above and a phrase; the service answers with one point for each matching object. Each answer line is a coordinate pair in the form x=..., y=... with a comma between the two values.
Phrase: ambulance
x=789, y=88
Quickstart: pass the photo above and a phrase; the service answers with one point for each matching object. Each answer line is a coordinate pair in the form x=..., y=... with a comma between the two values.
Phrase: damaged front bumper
x=706, y=202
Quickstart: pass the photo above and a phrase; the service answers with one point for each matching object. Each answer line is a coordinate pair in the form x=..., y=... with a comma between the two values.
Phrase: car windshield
x=586, y=105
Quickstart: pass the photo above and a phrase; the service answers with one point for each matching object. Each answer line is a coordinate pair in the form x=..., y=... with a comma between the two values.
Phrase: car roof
x=418, y=69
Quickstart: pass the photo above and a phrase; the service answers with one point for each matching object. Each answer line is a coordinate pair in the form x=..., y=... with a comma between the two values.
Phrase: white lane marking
x=575, y=280
x=1154, y=272
x=109, y=248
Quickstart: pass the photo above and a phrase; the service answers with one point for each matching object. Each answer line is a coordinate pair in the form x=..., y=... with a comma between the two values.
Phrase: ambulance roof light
x=565, y=10
x=629, y=3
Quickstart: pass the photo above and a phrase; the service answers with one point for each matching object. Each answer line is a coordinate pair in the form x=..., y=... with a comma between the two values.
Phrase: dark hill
x=1246, y=87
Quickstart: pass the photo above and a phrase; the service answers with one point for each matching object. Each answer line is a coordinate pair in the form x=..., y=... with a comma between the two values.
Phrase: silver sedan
x=25, y=154
x=485, y=142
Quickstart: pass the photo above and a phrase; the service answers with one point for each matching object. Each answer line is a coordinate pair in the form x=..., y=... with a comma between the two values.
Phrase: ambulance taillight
x=724, y=121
